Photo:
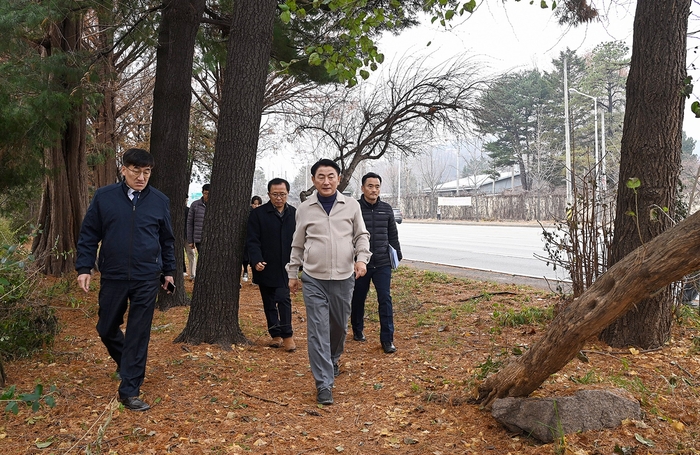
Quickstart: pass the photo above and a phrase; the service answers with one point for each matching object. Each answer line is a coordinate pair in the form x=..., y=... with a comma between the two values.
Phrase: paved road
x=503, y=253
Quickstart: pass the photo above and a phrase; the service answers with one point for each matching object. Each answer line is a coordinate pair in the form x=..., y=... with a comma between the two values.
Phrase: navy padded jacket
x=137, y=241
x=380, y=222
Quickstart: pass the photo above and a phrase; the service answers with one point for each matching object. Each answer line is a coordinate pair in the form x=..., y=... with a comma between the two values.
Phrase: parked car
x=398, y=216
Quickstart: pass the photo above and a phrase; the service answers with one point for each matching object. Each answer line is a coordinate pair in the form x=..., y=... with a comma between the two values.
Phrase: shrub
x=25, y=326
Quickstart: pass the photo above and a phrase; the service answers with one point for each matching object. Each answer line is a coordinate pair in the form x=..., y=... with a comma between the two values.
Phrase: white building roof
x=474, y=182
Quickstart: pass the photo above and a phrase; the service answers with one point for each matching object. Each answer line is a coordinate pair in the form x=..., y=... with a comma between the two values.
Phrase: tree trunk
x=651, y=152
x=214, y=314
x=651, y=267
x=65, y=197
x=172, y=96
x=103, y=157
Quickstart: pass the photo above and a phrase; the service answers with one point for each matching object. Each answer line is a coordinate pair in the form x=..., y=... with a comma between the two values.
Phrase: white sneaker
x=245, y=276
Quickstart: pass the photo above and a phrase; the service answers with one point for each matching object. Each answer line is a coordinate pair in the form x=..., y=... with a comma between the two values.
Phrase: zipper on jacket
x=131, y=243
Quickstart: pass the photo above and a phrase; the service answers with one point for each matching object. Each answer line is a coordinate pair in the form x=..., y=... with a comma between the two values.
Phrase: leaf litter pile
x=450, y=332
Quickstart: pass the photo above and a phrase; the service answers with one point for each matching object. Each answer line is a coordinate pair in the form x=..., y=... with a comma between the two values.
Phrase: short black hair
x=255, y=198
x=324, y=162
x=371, y=175
x=206, y=187
x=277, y=181
x=138, y=158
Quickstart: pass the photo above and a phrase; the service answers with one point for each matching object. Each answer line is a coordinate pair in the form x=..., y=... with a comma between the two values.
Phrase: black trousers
x=128, y=349
x=381, y=277
x=278, y=310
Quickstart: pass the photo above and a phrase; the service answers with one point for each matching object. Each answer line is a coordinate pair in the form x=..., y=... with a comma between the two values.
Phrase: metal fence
x=503, y=207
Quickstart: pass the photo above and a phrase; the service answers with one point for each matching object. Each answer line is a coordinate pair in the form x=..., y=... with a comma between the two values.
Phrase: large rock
x=548, y=418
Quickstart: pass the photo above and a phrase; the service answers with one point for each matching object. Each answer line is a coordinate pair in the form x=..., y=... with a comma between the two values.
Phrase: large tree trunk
x=643, y=272
x=65, y=197
x=214, y=314
x=172, y=96
x=651, y=152
x=103, y=158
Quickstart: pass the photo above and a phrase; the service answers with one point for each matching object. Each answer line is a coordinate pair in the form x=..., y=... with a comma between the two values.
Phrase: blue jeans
x=381, y=277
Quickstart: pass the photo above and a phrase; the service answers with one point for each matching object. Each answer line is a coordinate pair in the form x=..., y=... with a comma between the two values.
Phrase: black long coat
x=269, y=239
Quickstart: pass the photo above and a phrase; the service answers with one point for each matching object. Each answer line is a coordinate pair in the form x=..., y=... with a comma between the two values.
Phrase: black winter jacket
x=380, y=222
x=137, y=241
x=269, y=239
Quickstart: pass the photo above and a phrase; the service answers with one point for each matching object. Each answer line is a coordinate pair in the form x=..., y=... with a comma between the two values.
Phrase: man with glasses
x=269, y=243
x=195, y=221
x=130, y=221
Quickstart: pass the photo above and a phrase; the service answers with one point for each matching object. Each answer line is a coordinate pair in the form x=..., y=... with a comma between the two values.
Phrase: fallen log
x=665, y=259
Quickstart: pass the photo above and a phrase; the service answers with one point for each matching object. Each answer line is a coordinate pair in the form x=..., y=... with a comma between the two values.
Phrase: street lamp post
x=398, y=199
x=567, y=137
x=597, y=161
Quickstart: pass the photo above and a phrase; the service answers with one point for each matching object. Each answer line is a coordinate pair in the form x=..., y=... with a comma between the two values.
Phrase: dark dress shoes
x=388, y=347
x=360, y=336
x=135, y=404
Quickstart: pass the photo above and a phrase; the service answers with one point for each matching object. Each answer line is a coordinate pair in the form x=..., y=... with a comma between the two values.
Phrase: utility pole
x=567, y=135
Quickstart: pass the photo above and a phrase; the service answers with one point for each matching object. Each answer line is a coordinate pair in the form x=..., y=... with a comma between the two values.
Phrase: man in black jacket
x=379, y=219
x=195, y=219
x=269, y=243
x=132, y=222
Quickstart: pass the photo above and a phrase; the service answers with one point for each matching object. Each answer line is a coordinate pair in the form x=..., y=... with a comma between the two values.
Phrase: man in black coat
x=380, y=222
x=130, y=222
x=269, y=243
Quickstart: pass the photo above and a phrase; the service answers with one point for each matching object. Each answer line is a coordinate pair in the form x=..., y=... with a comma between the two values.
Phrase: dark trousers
x=381, y=277
x=129, y=350
x=278, y=310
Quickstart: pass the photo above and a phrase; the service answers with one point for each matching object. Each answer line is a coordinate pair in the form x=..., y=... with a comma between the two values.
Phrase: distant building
x=481, y=184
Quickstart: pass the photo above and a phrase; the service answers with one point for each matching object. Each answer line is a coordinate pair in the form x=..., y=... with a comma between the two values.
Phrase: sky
x=507, y=36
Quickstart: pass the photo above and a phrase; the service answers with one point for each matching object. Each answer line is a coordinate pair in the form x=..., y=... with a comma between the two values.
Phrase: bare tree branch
x=398, y=114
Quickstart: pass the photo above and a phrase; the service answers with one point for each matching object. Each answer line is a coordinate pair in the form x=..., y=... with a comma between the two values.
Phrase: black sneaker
x=336, y=370
x=324, y=396
x=359, y=336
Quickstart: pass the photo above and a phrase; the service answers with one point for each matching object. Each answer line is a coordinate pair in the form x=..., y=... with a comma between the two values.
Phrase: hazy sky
x=518, y=35
x=508, y=36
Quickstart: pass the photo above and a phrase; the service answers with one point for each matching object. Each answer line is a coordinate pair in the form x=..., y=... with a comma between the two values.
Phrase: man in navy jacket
x=269, y=244
x=131, y=220
x=379, y=219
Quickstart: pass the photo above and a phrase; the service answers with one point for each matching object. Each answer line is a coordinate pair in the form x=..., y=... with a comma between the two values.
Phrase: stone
x=546, y=419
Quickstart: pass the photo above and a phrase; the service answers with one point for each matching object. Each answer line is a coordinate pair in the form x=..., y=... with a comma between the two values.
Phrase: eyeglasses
x=278, y=195
x=145, y=172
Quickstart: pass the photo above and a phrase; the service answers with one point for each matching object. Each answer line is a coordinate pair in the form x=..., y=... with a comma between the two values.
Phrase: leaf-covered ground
x=451, y=332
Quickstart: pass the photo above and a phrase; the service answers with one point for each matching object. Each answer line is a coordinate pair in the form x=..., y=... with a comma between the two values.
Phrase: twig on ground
x=108, y=409
x=264, y=399
x=613, y=353
x=484, y=294
x=683, y=370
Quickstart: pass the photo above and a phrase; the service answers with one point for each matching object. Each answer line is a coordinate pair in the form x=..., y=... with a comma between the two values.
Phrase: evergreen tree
x=512, y=111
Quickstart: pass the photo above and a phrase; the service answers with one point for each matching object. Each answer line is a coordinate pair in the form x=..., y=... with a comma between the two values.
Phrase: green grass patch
x=488, y=367
x=516, y=317
x=686, y=315
x=591, y=377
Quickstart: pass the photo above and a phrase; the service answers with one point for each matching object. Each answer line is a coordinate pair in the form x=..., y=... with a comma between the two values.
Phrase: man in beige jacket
x=331, y=244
